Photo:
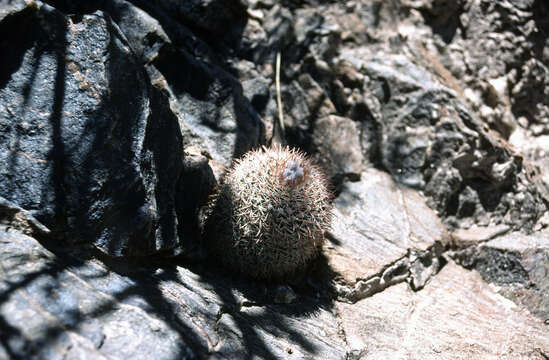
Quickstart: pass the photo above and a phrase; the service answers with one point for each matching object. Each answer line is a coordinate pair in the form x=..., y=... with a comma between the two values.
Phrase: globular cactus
x=268, y=217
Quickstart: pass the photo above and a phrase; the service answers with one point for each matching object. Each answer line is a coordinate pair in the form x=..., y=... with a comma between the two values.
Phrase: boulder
x=79, y=123
x=430, y=140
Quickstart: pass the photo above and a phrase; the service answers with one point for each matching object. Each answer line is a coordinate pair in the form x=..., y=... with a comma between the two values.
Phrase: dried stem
x=279, y=135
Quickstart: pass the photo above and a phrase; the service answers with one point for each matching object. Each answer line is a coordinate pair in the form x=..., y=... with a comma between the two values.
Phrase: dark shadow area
x=214, y=41
x=196, y=62
x=13, y=339
x=77, y=134
x=238, y=293
x=198, y=70
x=23, y=28
x=540, y=10
x=541, y=16
x=58, y=151
x=70, y=291
x=14, y=24
x=444, y=18
x=71, y=7
x=299, y=4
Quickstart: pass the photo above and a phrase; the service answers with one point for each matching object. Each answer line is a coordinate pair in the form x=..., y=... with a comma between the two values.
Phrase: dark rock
x=144, y=32
x=78, y=123
x=260, y=42
x=117, y=117
x=213, y=112
x=216, y=21
x=65, y=305
x=76, y=7
x=528, y=100
x=443, y=16
x=195, y=186
x=518, y=264
x=501, y=43
x=257, y=91
x=497, y=266
x=213, y=16
x=430, y=140
x=15, y=217
x=284, y=295
x=337, y=148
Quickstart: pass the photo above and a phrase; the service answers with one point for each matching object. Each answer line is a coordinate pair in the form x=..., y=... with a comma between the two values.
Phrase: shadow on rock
x=55, y=303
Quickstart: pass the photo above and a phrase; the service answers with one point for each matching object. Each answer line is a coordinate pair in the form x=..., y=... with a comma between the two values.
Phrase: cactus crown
x=293, y=173
x=269, y=215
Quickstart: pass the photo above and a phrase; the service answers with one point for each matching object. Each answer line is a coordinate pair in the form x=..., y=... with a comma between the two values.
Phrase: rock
x=348, y=74
x=337, y=148
x=196, y=185
x=209, y=102
x=213, y=16
x=399, y=323
x=441, y=16
x=15, y=217
x=440, y=234
x=284, y=295
x=68, y=305
x=77, y=123
x=431, y=141
x=517, y=264
x=476, y=235
x=382, y=234
x=261, y=41
x=144, y=32
x=212, y=110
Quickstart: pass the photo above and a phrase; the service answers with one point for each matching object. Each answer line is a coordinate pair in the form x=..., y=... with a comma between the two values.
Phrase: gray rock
x=382, y=234
x=77, y=123
x=431, y=141
x=214, y=16
x=284, y=295
x=212, y=110
x=261, y=41
x=337, y=148
x=425, y=91
x=412, y=113
x=450, y=317
x=65, y=305
x=518, y=264
x=209, y=102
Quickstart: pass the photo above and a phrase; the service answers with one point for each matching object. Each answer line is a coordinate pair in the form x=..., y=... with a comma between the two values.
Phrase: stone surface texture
x=119, y=118
x=78, y=117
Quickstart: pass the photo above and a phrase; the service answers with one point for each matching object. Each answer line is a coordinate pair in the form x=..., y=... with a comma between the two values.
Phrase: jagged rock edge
x=394, y=273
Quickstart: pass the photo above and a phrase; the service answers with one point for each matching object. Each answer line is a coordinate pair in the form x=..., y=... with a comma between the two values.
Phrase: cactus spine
x=268, y=218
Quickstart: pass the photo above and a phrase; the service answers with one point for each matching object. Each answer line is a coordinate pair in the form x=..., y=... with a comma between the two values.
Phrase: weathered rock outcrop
x=79, y=122
x=118, y=118
x=517, y=265
x=71, y=306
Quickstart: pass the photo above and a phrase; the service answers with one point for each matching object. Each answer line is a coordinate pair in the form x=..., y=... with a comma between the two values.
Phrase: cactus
x=268, y=217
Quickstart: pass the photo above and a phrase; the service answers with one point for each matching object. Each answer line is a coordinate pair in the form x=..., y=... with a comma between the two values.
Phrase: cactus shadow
x=256, y=307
